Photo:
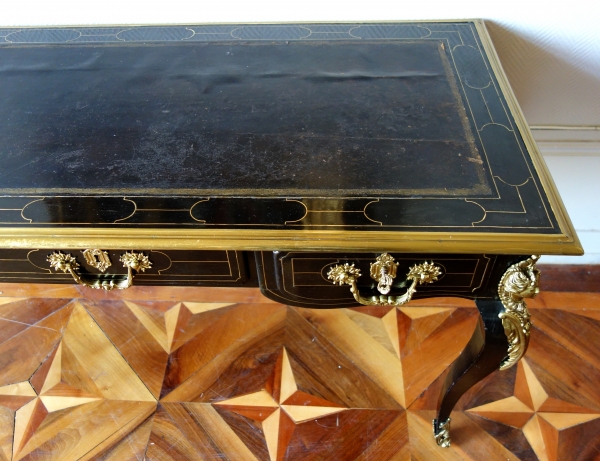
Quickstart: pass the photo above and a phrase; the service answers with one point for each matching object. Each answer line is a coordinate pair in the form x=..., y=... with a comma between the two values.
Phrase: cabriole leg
x=483, y=355
x=499, y=341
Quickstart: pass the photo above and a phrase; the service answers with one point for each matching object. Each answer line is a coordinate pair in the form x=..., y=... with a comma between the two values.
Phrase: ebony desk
x=330, y=164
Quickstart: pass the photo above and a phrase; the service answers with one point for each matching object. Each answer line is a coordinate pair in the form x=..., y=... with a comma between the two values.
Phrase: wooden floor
x=213, y=374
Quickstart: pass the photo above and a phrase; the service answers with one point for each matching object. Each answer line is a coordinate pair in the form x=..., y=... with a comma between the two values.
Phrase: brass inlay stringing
x=97, y=258
x=384, y=271
x=132, y=261
x=442, y=436
x=520, y=281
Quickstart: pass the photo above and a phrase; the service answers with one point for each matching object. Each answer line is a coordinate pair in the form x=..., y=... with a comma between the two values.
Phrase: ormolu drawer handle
x=383, y=271
x=132, y=261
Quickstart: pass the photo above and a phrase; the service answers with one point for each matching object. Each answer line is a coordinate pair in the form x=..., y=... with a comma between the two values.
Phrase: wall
x=550, y=52
x=575, y=167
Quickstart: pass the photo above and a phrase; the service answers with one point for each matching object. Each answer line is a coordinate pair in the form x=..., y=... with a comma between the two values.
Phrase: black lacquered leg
x=484, y=353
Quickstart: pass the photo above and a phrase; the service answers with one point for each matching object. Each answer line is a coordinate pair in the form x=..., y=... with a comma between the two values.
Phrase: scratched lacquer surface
x=211, y=373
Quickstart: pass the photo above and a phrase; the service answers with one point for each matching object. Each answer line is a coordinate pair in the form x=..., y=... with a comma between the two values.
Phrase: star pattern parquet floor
x=164, y=374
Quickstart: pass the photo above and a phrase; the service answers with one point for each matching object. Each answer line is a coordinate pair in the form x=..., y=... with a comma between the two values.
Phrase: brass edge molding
x=288, y=240
x=520, y=281
x=564, y=222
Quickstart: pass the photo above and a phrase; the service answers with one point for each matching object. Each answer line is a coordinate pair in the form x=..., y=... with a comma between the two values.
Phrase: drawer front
x=189, y=267
x=300, y=278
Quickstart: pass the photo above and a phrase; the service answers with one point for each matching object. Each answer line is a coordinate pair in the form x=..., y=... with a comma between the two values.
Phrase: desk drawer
x=169, y=267
x=300, y=278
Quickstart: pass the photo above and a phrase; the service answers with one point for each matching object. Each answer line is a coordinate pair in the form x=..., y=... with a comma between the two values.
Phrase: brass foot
x=442, y=435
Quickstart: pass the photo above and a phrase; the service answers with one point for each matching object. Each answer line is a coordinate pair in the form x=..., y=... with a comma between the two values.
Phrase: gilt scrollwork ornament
x=520, y=281
x=61, y=261
x=442, y=435
x=97, y=258
x=383, y=270
x=137, y=262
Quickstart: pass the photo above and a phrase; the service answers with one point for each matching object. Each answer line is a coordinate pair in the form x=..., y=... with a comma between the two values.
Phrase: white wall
x=577, y=179
x=575, y=168
x=550, y=51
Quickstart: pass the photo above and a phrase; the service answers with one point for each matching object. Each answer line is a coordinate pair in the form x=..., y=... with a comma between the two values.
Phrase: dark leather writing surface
x=346, y=118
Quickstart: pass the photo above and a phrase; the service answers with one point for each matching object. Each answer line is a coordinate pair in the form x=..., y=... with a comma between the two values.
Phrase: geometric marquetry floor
x=213, y=374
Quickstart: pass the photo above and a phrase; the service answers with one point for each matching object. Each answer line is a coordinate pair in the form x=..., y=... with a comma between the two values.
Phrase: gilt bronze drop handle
x=383, y=271
x=137, y=262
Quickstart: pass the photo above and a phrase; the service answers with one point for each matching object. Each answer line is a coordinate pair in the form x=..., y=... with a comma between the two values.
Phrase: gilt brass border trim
x=289, y=240
x=539, y=164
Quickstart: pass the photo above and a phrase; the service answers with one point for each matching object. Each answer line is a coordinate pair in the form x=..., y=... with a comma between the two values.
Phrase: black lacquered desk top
x=311, y=136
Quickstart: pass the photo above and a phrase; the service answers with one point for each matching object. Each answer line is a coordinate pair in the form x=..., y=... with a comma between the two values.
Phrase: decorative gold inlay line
x=192, y=210
x=23, y=209
x=135, y=209
x=520, y=281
